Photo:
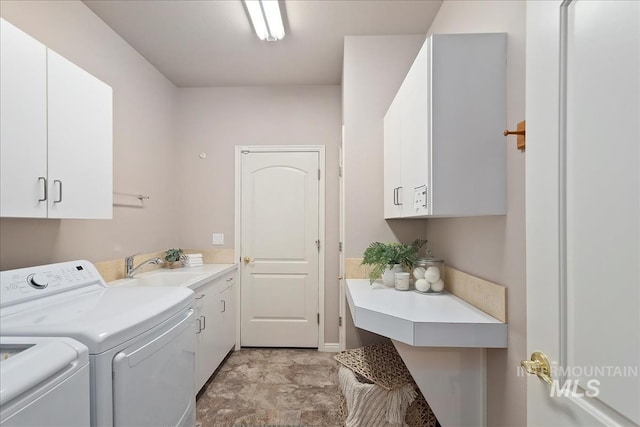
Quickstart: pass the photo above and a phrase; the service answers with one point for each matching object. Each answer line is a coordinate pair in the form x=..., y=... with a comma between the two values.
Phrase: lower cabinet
x=215, y=325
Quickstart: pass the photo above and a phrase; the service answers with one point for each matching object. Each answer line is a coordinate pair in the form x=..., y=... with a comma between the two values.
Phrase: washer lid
x=101, y=319
x=28, y=363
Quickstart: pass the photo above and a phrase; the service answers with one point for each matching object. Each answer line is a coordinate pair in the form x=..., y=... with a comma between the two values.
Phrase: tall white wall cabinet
x=56, y=134
x=444, y=150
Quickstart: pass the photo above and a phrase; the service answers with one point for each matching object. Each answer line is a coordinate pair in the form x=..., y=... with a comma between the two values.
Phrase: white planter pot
x=389, y=275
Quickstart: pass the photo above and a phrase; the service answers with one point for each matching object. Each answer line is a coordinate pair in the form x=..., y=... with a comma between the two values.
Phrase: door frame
x=320, y=149
x=342, y=274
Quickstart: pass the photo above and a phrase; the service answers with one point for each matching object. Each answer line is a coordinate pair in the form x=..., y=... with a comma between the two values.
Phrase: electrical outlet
x=217, y=239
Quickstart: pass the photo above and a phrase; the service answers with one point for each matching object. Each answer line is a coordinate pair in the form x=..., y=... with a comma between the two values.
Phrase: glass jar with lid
x=428, y=274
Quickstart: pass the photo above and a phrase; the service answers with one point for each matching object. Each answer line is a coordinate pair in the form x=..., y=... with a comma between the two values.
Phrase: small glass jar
x=402, y=281
x=428, y=275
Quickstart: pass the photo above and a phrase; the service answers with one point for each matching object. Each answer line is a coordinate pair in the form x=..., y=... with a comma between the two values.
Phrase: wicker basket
x=381, y=364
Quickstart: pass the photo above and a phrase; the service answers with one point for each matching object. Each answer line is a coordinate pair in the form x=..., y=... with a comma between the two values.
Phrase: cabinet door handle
x=200, y=297
x=204, y=323
x=59, y=190
x=229, y=279
x=224, y=305
x=46, y=190
x=199, y=326
x=396, y=196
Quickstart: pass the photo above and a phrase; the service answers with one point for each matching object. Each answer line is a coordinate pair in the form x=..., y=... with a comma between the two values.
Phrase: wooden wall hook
x=521, y=133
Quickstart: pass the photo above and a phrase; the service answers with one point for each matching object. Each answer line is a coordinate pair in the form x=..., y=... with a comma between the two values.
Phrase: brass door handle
x=247, y=260
x=538, y=365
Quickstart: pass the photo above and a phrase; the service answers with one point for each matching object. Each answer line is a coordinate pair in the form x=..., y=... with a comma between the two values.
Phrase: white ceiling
x=197, y=43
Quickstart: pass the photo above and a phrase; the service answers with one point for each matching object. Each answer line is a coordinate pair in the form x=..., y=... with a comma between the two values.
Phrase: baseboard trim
x=332, y=347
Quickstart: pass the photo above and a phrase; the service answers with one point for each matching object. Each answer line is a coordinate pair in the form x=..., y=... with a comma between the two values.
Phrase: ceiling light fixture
x=266, y=18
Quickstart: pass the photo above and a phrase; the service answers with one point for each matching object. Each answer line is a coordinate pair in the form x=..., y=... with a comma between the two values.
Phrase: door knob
x=538, y=365
x=247, y=260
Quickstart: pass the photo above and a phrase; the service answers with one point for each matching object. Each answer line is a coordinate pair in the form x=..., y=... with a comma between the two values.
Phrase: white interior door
x=280, y=235
x=583, y=211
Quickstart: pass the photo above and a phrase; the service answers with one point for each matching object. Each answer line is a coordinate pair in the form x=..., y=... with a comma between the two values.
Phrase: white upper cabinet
x=56, y=136
x=453, y=112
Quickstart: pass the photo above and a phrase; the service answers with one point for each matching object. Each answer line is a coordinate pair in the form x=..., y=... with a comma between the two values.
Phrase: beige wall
x=214, y=120
x=373, y=69
x=494, y=247
x=143, y=144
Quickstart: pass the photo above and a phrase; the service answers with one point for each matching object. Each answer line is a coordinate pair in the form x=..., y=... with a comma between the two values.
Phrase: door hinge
x=318, y=244
x=339, y=320
x=318, y=174
x=340, y=171
x=245, y=152
x=339, y=246
x=318, y=318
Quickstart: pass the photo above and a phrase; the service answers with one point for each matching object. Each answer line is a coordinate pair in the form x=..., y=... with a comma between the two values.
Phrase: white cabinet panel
x=392, y=153
x=56, y=134
x=80, y=142
x=453, y=112
x=206, y=315
x=416, y=163
x=227, y=306
x=23, y=124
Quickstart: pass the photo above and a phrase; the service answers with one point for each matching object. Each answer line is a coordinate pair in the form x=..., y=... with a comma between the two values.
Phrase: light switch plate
x=217, y=239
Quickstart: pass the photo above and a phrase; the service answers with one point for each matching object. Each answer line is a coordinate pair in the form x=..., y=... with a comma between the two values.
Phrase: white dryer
x=43, y=382
x=141, y=341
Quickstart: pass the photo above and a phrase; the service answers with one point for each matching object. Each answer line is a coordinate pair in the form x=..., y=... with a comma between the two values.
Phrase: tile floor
x=274, y=387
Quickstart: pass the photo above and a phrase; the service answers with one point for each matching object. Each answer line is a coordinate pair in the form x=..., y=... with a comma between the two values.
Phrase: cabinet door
x=228, y=316
x=415, y=129
x=392, y=147
x=23, y=124
x=80, y=142
x=206, y=322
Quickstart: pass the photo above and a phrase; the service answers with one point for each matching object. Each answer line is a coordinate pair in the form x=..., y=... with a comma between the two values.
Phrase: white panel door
x=279, y=231
x=583, y=211
x=80, y=142
x=23, y=124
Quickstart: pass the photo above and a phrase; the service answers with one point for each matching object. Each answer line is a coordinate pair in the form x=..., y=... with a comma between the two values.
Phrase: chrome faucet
x=130, y=270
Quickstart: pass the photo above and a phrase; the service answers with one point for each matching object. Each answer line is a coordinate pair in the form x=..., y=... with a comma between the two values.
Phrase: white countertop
x=422, y=320
x=191, y=277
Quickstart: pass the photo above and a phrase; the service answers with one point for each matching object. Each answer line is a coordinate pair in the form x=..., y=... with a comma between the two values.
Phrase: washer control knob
x=37, y=280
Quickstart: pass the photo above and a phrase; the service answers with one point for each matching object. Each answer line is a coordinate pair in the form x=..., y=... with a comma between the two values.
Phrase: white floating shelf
x=422, y=320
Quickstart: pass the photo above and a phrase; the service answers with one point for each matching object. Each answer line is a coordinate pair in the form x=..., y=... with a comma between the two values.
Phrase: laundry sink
x=192, y=278
x=165, y=278
x=181, y=278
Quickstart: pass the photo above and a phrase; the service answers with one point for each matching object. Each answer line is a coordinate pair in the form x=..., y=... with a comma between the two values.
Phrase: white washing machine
x=43, y=382
x=141, y=341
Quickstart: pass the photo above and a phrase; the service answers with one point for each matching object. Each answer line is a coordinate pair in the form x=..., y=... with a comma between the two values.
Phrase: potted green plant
x=173, y=258
x=389, y=258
